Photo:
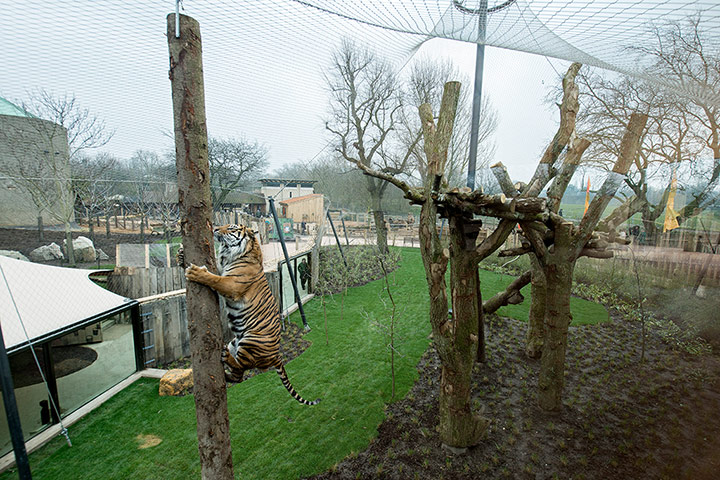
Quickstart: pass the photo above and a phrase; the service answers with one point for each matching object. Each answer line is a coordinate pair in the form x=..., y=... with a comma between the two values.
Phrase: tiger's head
x=237, y=241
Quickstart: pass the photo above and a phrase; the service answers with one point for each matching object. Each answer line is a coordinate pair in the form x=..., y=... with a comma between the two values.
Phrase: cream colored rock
x=176, y=382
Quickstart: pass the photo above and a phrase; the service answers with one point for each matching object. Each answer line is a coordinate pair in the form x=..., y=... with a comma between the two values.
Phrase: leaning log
x=508, y=296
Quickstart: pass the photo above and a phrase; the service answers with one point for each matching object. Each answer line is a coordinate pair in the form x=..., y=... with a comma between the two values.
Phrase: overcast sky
x=263, y=64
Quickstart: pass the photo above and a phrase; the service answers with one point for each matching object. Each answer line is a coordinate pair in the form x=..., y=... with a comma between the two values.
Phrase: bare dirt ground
x=622, y=419
x=25, y=241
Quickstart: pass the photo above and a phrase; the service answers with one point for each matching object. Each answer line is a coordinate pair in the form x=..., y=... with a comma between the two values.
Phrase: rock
x=102, y=256
x=84, y=249
x=47, y=253
x=176, y=382
x=14, y=254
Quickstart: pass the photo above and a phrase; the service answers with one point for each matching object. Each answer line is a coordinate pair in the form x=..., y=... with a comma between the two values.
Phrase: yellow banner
x=670, y=214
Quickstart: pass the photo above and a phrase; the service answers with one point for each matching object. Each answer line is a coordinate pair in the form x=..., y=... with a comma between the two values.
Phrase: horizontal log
x=525, y=209
x=594, y=253
x=509, y=296
x=514, y=252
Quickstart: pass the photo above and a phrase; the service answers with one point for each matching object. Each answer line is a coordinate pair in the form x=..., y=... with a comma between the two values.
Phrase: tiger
x=252, y=311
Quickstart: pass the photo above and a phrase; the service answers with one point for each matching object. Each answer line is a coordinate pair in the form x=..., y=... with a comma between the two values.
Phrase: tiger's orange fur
x=253, y=313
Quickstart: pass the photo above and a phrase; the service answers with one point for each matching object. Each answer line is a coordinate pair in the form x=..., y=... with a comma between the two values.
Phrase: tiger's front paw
x=195, y=273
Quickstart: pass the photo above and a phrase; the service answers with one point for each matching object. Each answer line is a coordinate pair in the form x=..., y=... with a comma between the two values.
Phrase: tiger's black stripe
x=255, y=319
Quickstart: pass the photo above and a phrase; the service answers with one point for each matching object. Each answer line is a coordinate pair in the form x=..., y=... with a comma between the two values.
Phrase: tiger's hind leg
x=235, y=375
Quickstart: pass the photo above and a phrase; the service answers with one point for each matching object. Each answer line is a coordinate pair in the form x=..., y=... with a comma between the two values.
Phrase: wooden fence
x=163, y=314
x=670, y=266
x=164, y=330
x=138, y=282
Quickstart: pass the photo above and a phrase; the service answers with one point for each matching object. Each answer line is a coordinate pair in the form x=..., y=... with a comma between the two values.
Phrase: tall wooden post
x=191, y=157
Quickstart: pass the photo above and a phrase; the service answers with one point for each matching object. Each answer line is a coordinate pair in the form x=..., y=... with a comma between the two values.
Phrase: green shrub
x=362, y=267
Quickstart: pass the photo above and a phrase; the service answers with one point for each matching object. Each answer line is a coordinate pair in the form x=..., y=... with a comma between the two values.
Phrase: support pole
x=342, y=219
x=293, y=280
x=13, y=417
x=337, y=240
x=203, y=311
x=477, y=103
x=51, y=380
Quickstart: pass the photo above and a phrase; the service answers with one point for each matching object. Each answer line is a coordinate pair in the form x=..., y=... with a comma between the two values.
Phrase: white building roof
x=49, y=300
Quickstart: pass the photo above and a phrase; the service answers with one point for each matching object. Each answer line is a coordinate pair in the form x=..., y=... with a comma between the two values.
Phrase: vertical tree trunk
x=651, y=230
x=91, y=229
x=456, y=339
x=558, y=269
x=186, y=76
x=481, y=319
x=142, y=228
x=557, y=321
x=379, y=218
x=536, y=319
x=107, y=225
x=459, y=426
x=41, y=233
x=69, y=250
x=559, y=264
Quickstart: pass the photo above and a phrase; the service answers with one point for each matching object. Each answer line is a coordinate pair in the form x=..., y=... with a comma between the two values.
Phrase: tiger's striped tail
x=286, y=383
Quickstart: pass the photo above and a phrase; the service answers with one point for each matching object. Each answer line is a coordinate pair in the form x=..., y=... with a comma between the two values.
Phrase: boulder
x=84, y=249
x=14, y=254
x=176, y=382
x=47, y=253
x=102, y=256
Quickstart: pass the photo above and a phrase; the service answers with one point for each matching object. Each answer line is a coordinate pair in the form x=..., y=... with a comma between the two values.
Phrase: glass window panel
x=30, y=391
x=108, y=346
x=296, y=269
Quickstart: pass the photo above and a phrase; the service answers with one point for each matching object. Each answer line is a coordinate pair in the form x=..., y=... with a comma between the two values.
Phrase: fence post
x=137, y=327
x=271, y=202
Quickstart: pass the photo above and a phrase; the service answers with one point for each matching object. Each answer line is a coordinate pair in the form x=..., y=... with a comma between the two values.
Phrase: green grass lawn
x=583, y=311
x=273, y=436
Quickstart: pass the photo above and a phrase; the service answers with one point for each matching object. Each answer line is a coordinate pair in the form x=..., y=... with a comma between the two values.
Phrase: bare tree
x=667, y=140
x=425, y=86
x=153, y=188
x=458, y=340
x=364, y=109
x=38, y=163
x=93, y=184
x=232, y=162
x=685, y=55
x=84, y=129
x=41, y=151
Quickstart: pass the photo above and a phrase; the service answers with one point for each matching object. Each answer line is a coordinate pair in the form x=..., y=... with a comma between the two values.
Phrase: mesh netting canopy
x=602, y=33
x=264, y=60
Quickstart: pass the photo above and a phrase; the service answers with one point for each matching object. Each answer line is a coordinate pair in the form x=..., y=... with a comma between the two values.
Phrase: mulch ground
x=622, y=418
